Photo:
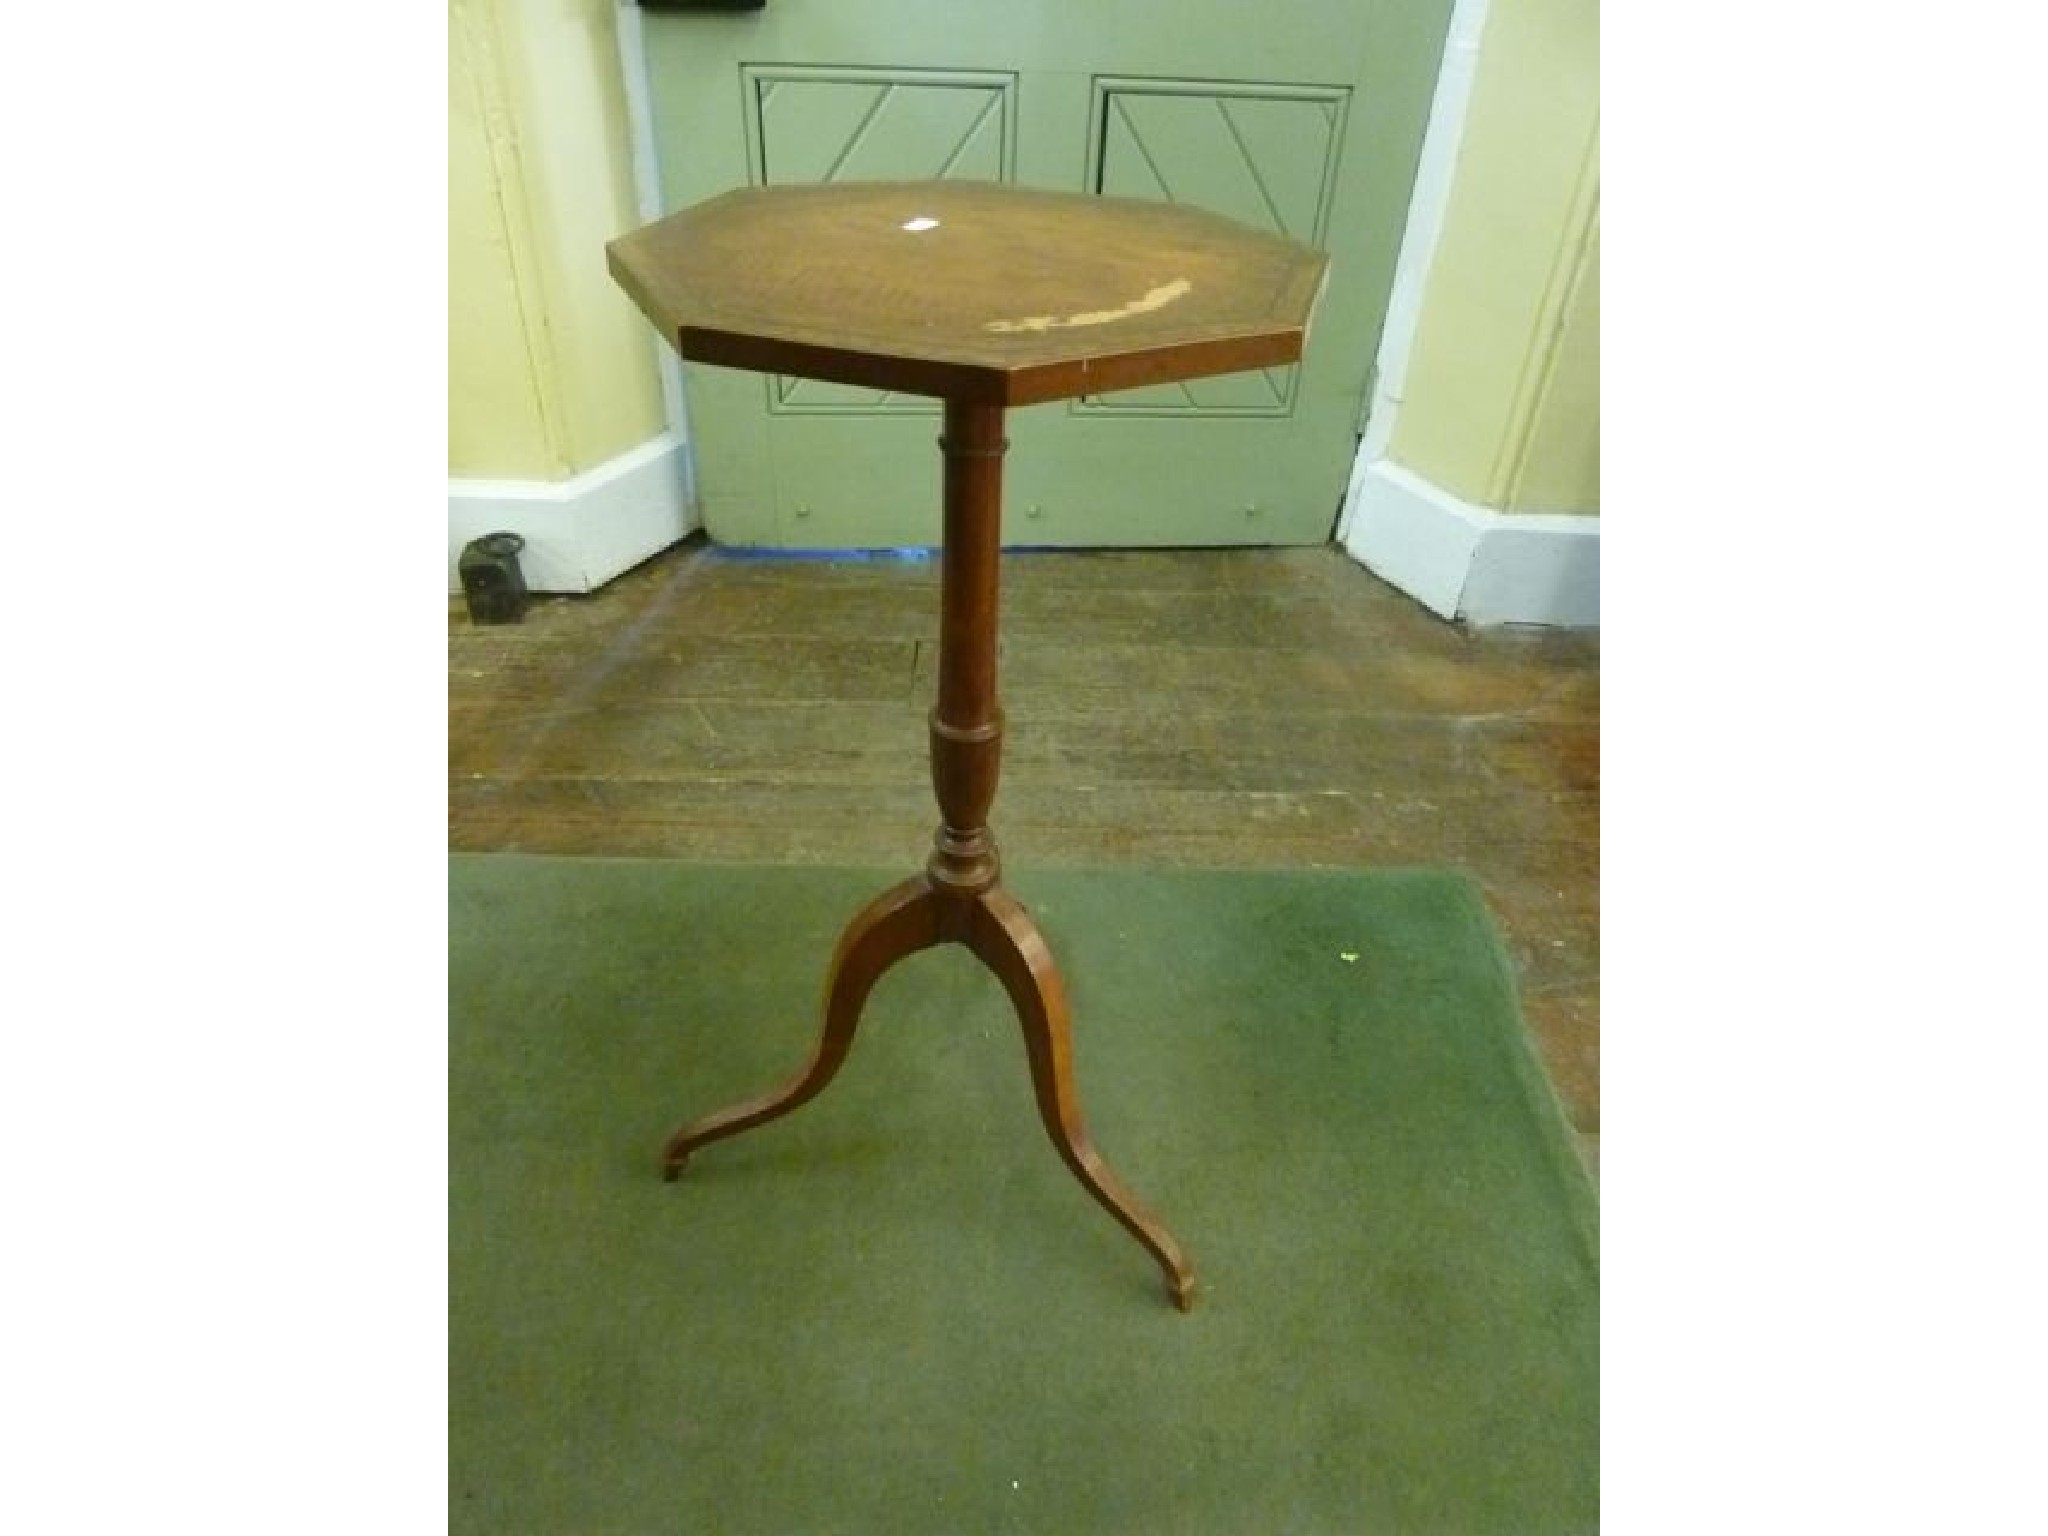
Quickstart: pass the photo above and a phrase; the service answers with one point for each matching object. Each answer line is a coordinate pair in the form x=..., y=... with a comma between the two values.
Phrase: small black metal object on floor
x=492, y=582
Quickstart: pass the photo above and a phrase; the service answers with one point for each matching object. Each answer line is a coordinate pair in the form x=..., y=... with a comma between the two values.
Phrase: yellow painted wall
x=1560, y=464
x=550, y=370
x=1501, y=401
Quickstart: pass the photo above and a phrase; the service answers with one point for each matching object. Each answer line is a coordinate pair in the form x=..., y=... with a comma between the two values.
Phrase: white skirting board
x=583, y=531
x=1469, y=562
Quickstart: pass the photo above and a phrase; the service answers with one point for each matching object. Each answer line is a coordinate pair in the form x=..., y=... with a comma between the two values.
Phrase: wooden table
x=987, y=297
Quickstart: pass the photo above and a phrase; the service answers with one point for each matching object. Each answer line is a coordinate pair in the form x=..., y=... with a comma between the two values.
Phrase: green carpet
x=896, y=1312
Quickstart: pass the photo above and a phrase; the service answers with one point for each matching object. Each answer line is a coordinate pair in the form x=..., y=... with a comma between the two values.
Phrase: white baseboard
x=1468, y=562
x=583, y=531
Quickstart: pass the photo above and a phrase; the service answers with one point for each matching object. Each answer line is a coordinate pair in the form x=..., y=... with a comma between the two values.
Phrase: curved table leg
x=1006, y=939
x=901, y=921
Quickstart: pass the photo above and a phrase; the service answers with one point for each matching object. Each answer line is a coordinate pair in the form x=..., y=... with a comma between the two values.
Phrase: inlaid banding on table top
x=969, y=289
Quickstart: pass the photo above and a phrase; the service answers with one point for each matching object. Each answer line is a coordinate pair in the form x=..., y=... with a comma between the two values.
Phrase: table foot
x=1008, y=942
x=995, y=926
x=901, y=921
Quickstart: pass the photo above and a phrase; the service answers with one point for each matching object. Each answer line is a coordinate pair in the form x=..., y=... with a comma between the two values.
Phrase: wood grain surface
x=968, y=290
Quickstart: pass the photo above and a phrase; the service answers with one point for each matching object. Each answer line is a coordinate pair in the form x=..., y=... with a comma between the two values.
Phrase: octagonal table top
x=974, y=291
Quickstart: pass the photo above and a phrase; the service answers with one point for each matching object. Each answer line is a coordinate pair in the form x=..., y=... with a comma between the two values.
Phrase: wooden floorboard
x=1196, y=708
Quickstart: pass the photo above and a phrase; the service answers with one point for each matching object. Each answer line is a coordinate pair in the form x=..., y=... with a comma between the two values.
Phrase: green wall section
x=1311, y=130
x=1501, y=399
x=550, y=370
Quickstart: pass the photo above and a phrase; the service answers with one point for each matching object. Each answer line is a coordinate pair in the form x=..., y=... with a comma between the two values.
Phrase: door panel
x=1308, y=125
x=813, y=124
x=1265, y=155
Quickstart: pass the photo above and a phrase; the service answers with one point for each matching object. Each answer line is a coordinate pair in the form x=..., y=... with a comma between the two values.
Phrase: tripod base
x=994, y=925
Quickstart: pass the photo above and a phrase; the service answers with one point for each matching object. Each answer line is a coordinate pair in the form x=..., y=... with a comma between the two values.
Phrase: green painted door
x=1305, y=119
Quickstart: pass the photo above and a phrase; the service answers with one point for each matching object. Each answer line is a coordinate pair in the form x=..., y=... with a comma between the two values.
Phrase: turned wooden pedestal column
x=986, y=297
x=959, y=898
